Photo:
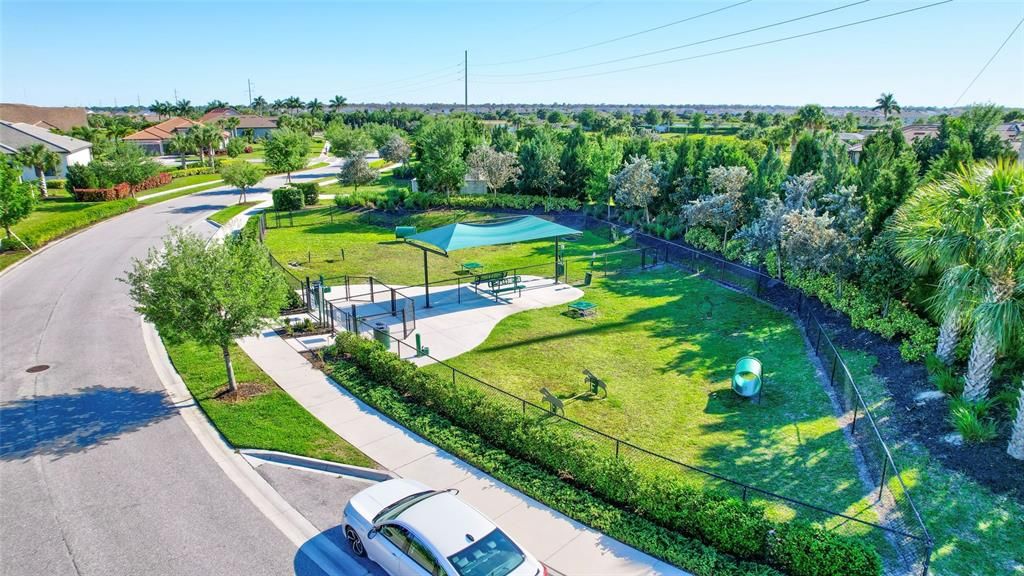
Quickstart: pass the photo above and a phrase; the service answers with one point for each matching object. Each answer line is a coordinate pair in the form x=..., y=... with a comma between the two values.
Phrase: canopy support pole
x=426, y=279
x=556, y=259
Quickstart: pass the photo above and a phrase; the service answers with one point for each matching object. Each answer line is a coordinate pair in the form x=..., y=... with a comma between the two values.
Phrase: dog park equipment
x=582, y=309
x=460, y=235
x=746, y=379
x=382, y=334
x=402, y=232
x=594, y=382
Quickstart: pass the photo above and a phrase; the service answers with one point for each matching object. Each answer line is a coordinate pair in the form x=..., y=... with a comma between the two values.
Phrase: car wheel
x=354, y=542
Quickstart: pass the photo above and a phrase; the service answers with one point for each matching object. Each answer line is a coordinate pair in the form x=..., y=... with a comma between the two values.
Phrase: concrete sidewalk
x=558, y=541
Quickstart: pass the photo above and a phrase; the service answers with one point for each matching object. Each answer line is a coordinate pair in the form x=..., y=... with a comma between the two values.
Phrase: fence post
x=853, y=426
x=394, y=308
x=616, y=448
x=817, y=341
x=371, y=290
x=348, y=289
x=744, y=493
x=524, y=406
x=453, y=376
x=881, y=482
x=835, y=362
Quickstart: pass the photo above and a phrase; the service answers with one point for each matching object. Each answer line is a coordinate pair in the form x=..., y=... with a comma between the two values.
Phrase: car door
x=388, y=549
x=424, y=562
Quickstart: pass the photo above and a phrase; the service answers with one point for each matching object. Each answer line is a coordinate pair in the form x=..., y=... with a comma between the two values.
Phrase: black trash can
x=587, y=277
x=381, y=334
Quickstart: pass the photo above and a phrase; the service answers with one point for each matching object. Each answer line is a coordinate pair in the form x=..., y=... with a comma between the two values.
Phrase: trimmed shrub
x=310, y=192
x=39, y=232
x=732, y=526
x=56, y=184
x=287, y=198
x=236, y=147
x=180, y=172
x=703, y=238
x=403, y=172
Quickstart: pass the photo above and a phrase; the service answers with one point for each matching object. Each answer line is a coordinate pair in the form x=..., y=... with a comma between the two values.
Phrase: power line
x=439, y=72
x=681, y=46
x=728, y=50
x=983, y=68
x=609, y=41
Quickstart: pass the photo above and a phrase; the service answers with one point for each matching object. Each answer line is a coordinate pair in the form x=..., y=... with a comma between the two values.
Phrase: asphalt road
x=98, y=475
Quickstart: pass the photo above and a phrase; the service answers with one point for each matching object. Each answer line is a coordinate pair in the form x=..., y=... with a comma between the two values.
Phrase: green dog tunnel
x=404, y=231
x=746, y=379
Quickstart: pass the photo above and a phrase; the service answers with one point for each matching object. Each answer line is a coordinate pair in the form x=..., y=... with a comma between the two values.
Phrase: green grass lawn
x=180, y=193
x=371, y=249
x=975, y=530
x=269, y=420
x=222, y=216
x=183, y=181
x=668, y=371
x=62, y=215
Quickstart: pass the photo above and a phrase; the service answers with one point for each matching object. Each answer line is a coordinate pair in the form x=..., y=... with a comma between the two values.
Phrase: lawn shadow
x=64, y=424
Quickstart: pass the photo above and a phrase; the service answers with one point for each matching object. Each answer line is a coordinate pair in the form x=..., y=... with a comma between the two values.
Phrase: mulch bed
x=244, y=391
x=924, y=423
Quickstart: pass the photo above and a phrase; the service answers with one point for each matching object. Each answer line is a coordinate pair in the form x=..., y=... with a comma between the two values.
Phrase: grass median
x=267, y=418
x=224, y=215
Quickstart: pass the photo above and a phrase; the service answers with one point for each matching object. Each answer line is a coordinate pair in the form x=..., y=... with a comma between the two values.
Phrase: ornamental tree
x=356, y=172
x=16, y=197
x=209, y=293
x=285, y=151
x=395, y=149
x=636, y=184
x=498, y=168
x=242, y=175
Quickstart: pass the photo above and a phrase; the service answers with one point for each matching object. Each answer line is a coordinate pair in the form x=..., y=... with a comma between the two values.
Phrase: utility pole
x=249, y=82
x=175, y=94
x=465, y=77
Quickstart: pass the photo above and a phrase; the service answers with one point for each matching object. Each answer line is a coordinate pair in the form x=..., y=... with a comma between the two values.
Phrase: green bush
x=287, y=198
x=703, y=238
x=310, y=192
x=35, y=233
x=733, y=526
x=236, y=147
x=806, y=550
x=180, y=172
x=56, y=184
x=971, y=419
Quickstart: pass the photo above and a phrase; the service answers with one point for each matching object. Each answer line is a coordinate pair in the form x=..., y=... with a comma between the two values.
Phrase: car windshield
x=393, y=510
x=492, y=555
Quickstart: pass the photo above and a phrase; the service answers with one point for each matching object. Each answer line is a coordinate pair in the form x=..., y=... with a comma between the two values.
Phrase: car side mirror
x=371, y=534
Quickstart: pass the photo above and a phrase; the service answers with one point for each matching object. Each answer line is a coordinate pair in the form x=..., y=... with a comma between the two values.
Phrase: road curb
x=321, y=465
x=317, y=547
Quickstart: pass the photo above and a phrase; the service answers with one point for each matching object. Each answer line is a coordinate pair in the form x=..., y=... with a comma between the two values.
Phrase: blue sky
x=87, y=53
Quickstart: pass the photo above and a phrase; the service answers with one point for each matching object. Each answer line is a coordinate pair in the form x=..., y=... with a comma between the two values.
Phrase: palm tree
x=39, y=158
x=1016, y=447
x=162, y=109
x=231, y=123
x=119, y=130
x=259, y=103
x=205, y=138
x=812, y=116
x=183, y=108
x=338, y=102
x=293, y=103
x=181, y=144
x=970, y=226
x=887, y=104
x=213, y=104
x=277, y=105
x=315, y=106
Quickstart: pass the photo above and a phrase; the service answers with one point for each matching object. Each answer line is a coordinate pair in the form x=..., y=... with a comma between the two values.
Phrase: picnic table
x=471, y=266
x=582, y=308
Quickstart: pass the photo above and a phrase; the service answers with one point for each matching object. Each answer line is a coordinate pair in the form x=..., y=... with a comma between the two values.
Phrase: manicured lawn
x=383, y=183
x=62, y=215
x=183, y=181
x=269, y=420
x=668, y=371
x=178, y=194
x=9, y=257
x=371, y=249
x=975, y=530
x=222, y=216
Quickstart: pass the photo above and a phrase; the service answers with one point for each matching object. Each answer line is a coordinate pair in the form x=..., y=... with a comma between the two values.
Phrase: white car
x=411, y=530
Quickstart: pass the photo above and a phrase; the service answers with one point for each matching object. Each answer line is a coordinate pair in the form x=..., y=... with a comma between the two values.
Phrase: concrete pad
x=486, y=495
x=438, y=470
x=368, y=428
x=459, y=318
x=541, y=530
x=398, y=450
x=593, y=553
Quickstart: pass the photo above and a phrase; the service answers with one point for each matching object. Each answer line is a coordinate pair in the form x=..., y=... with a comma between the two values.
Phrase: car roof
x=444, y=521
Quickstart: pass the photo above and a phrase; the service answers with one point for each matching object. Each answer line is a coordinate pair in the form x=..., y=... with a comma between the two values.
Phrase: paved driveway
x=98, y=475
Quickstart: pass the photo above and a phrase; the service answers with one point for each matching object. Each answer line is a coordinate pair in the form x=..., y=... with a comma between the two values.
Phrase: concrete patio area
x=459, y=319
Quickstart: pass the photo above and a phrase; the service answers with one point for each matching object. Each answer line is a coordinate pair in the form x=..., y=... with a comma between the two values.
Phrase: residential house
x=155, y=138
x=15, y=135
x=61, y=118
x=259, y=125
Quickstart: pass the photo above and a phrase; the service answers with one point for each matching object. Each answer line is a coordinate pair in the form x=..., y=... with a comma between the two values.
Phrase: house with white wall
x=15, y=135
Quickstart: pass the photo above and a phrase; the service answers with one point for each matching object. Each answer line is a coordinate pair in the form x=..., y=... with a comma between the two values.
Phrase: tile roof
x=14, y=135
x=162, y=131
x=249, y=121
x=64, y=118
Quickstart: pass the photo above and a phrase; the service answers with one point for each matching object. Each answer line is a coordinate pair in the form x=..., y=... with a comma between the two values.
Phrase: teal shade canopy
x=491, y=232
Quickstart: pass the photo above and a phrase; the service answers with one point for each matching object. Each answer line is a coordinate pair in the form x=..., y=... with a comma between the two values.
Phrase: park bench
x=594, y=382
x=554, y=401
x=582, y=308
x=487, y=277
x=506, y=284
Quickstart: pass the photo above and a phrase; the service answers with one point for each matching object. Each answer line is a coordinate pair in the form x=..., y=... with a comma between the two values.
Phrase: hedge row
x=122, y=190
x=544, y=486
x=180, y=172
x=395, y=198
x=725, y=523
x=55, y=183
